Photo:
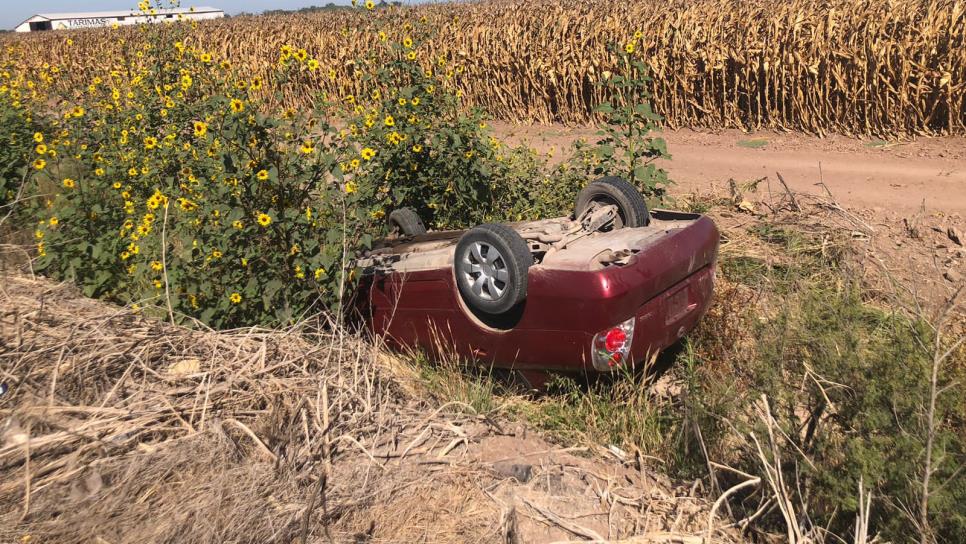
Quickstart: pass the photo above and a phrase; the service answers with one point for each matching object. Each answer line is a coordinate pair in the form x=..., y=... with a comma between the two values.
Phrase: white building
x=67, y=21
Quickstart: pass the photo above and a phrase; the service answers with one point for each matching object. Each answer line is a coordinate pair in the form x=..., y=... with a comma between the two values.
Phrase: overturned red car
x=609, y=287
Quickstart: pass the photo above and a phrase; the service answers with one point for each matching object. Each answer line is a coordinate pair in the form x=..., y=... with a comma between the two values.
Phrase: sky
x=14, y=12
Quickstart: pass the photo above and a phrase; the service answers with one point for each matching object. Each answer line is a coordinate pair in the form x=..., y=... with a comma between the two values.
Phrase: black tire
x=631, y=208
x=499, y=282
x=405, y=221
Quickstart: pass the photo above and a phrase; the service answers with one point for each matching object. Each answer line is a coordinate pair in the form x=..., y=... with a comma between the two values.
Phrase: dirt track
x=883, y=176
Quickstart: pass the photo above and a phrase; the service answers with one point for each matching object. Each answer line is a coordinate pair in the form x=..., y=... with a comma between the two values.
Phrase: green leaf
x=643, y=172
x=206, y=315
x=271, y=288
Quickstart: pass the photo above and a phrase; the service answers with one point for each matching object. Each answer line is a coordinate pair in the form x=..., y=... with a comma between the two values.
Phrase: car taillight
x=612, y=347
x=614, y=340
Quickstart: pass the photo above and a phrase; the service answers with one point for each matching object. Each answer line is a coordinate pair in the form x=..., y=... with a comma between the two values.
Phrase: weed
x=468, y=385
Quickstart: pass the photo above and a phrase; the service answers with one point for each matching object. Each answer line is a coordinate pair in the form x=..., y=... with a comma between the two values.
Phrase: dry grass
x=118, y=428
x=114, y=422
x=881, y=67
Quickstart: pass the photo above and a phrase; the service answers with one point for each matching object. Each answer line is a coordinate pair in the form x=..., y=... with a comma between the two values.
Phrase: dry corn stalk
x=883, y=67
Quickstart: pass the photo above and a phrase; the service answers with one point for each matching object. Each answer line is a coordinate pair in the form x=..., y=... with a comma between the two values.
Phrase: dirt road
x=898, y=177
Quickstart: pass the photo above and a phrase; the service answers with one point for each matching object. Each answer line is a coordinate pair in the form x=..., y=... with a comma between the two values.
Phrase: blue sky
x=13, y=12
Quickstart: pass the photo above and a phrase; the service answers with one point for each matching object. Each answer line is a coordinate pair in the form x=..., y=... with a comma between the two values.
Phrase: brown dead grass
x=115, y=417
x=118, y=428
x=903, y=262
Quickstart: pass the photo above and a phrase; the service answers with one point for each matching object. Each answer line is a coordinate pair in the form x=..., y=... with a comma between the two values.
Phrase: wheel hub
x=484, y=271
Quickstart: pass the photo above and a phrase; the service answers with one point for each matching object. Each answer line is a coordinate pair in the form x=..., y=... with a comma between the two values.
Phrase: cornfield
x=874, y=67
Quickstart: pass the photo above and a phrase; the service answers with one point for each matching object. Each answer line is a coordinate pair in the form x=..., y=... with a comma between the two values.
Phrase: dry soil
x=897, y=176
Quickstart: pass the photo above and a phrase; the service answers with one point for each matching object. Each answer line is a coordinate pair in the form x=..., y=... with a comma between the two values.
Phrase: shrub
x=848, y=384
x=170, y=186
x=626, y=147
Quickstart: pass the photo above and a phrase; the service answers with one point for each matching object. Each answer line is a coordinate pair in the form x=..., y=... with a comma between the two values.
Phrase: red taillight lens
x=614, y=339
x=612, y=347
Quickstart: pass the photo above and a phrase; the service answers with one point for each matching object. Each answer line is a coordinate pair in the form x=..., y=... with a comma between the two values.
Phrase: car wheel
x=491, y=265
x=404, y=221
x=631, y=208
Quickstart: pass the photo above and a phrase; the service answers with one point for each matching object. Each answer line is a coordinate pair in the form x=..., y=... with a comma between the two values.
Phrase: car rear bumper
x=658, y=323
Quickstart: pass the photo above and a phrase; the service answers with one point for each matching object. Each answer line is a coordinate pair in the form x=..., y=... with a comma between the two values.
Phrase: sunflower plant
x=424, y=150
x=627, y=146
x=175, y=188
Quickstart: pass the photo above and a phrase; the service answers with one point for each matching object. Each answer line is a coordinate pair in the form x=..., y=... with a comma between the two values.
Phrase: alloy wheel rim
x=485, y=272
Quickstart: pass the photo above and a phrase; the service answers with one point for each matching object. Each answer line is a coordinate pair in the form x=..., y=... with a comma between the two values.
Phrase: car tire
x=404, y=221
x=491, y=264
x=631, y=207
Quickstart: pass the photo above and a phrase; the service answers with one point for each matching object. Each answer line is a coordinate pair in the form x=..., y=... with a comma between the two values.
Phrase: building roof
x=122, y=13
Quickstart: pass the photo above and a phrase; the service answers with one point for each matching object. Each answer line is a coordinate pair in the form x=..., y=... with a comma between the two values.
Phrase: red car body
x=665, y=287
